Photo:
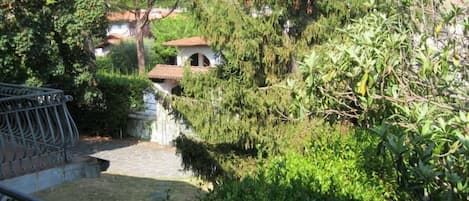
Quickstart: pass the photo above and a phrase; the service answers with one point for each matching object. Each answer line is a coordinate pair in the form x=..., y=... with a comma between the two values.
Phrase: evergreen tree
x=245, y=102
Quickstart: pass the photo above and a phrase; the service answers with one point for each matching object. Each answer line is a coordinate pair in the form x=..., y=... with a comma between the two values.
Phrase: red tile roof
x=163, y=71
x=129, y=16
x=192, y=41
x=120, y=16
x=113, y=39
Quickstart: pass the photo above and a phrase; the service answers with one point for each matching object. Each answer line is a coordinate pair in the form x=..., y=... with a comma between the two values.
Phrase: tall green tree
x=50, y=43
x=263, y=40
x=260, y=41
x=244, y=103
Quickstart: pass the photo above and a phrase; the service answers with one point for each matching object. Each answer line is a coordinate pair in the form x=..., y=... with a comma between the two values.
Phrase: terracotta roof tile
x=192, y=41
x=163, y=71
x=129, y=16
x=120, y=16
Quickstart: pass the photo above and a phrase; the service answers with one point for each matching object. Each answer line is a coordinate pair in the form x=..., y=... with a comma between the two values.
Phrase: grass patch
x=121, y=187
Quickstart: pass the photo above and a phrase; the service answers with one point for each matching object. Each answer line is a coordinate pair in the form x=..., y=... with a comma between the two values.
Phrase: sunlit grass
x=121, y=187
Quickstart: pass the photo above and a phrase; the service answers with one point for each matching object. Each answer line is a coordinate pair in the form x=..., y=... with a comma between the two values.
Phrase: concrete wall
x=42, y=180
x=156, y=123
x=166, y=86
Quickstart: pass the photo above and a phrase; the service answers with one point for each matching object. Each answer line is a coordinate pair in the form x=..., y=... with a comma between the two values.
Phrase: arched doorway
x=199, y=59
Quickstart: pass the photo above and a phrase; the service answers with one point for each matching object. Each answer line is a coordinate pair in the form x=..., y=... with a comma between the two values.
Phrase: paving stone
x=133, y=158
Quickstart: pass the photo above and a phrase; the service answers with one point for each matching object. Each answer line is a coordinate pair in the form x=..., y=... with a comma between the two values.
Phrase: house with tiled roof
x=123, y=25
x=193, y=51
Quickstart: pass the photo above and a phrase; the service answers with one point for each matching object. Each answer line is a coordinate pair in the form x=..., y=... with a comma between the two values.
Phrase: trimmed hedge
x=121, y=95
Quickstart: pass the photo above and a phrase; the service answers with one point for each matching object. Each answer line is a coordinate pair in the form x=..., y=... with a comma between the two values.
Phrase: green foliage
x=225, y=107
x=233, y=112
x=257, y=46
x=376, y=70
x=123, y=57
x=171, y=28
x=122, y=94
x=47, y=43
x=131, y=4
x=388, y=74
x=334, y=167
x=244, y=103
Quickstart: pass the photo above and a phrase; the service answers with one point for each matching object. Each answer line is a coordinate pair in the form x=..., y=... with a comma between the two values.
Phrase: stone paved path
x=133, y=158
x=138, y=171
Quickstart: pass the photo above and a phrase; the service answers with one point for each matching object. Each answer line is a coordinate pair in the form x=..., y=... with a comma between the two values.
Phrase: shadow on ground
x=91, y=145
x=119, y=187
x=205, y=159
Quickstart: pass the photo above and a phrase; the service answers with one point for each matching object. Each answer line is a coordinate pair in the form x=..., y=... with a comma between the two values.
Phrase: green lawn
x=121, y=187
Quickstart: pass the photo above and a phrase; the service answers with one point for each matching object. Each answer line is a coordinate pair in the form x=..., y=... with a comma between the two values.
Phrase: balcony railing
x=36, y=129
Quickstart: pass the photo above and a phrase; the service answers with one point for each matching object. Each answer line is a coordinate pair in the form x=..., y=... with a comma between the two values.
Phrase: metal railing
x=36, y=129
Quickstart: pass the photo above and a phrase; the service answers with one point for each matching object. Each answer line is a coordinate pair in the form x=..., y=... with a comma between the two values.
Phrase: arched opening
x=177, y=90
x=199, y=59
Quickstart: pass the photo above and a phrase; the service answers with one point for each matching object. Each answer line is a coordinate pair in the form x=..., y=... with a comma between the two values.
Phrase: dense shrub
x=335, y=166
x=121, y=95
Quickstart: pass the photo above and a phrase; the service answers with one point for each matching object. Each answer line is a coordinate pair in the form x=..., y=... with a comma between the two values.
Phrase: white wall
x=121, y=28
x=187, y=52
x=166, y=86
x=101, y=51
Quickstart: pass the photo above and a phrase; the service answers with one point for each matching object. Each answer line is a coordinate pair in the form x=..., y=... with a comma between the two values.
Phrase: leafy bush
x=334, y=167
x=121, y=95
x=412, y=93
x=104, y=64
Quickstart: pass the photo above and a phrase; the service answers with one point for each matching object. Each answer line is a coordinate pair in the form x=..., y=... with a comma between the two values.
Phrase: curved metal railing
x=36, y=129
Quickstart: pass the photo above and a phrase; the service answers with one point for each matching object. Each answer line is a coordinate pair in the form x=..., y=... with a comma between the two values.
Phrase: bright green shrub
x=334, y=167
x=121, y=95
x=104, y=64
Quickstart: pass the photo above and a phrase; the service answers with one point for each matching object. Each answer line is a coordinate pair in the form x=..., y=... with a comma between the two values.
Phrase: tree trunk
x=140, y=52
x=142, y=22
x=140, y=48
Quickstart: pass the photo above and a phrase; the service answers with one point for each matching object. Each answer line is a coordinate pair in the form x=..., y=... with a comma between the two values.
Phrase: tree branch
x=150, y=6
x=331, y=111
